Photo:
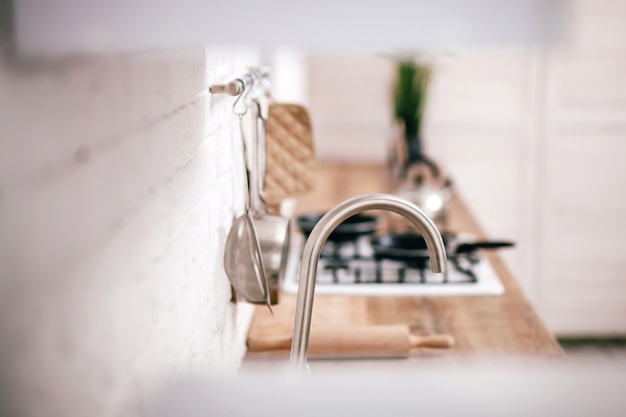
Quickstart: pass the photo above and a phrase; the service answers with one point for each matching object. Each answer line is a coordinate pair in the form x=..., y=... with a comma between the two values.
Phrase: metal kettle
x=425, y=186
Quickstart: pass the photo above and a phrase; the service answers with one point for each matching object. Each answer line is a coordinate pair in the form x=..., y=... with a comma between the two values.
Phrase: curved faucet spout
x=317, y=239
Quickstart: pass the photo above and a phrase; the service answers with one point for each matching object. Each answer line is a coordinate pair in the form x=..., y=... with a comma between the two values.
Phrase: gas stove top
x=352, y=269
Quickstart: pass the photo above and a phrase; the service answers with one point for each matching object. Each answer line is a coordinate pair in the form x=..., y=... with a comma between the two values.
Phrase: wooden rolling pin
x=393, y=341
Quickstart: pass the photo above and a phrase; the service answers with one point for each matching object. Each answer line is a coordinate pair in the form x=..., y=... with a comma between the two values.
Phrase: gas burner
x=347, y=250
x=352, y=268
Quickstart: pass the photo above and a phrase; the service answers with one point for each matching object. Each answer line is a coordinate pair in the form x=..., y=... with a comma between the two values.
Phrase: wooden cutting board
x=290, y=160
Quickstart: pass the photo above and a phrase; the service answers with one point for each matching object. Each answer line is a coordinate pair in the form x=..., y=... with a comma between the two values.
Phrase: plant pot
x=403, y=151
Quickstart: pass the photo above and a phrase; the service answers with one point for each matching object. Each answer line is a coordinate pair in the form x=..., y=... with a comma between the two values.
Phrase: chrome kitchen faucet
x=317, y=239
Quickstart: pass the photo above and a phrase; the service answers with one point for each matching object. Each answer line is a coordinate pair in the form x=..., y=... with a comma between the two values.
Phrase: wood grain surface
x=505, y=326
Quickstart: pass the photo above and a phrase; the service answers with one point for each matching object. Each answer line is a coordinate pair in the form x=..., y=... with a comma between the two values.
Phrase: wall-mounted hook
x=245, y=92
x=241, y=88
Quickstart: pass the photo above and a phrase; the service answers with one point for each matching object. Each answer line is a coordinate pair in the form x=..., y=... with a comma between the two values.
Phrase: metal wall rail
x=240, y=84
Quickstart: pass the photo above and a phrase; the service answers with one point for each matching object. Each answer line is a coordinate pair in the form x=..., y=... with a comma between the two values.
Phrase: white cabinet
x=582, y=200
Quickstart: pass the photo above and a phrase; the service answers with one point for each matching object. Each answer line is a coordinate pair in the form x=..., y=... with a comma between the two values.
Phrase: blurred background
x=535, y=143
x=532, y=136
x=117, y=186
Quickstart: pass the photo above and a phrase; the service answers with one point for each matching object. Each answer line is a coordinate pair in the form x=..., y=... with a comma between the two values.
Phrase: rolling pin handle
x=433, y=341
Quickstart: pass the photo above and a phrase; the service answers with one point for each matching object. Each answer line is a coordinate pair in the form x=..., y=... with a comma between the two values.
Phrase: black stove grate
x=352, y=268
x=338, y=270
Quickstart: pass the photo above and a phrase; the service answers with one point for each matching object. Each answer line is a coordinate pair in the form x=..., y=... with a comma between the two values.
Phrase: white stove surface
x=428, y=284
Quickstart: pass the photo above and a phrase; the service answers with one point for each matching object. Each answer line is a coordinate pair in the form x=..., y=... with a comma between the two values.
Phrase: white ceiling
x=88, y=26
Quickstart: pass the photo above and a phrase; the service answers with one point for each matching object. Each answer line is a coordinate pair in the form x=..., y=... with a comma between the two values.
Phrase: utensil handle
x=495, y=244
x=245, y=154
x=262, y=154
x=257, y=159
x=252, y=159
x=438, y=341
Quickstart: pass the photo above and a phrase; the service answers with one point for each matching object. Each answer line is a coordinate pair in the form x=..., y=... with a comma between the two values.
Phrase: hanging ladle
x=243, y=261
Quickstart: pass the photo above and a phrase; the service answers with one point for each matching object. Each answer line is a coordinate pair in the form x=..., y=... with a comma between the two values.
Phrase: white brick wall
x=119, y=179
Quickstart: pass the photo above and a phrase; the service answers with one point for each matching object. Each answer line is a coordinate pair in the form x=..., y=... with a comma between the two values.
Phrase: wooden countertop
x=505, y=325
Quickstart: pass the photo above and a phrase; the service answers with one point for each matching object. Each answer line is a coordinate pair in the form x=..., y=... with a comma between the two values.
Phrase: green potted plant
x=409, y=100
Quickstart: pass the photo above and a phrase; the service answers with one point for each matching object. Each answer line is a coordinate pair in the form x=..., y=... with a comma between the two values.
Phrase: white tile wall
x=119, y=179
